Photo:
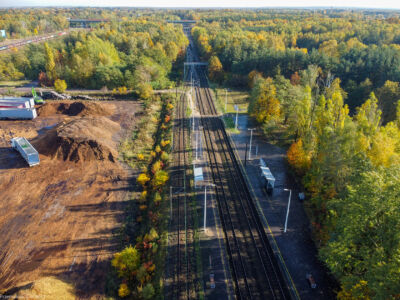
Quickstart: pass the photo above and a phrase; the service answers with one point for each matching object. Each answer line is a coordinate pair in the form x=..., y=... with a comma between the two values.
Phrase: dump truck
x=27, y=151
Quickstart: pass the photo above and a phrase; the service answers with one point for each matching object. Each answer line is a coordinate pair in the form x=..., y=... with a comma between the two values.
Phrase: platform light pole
x=251, y=139
x=205, y=204
x=237, y=113
x=288, y=208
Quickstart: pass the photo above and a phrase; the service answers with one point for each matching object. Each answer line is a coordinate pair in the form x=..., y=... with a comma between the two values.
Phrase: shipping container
x=27, y=151
x=30, y=101
x=17, y=113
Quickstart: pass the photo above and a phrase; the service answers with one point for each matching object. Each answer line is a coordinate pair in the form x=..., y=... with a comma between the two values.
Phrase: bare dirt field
x=58, y=219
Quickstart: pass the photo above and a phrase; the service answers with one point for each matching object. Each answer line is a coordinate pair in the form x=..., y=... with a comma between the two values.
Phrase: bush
x=157, y=166
x=60, y=86
x=126, y=262
x=144, y=91
x=164, y=156
x=123, y=290
x=148, y=291
x=143, y=179
x=160, y=178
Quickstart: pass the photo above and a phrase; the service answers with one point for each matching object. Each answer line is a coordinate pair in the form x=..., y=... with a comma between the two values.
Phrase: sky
x=208, y=3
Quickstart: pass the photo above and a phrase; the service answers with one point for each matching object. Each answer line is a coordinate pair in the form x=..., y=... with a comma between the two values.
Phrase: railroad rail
x=255, y=271
x=181, y=223
x=32, y=40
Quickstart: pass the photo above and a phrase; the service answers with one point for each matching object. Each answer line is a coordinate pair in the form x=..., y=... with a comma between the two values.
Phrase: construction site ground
x=58, y=220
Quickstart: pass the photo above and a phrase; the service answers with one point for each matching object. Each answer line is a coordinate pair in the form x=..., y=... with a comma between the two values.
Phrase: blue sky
x=207, y=3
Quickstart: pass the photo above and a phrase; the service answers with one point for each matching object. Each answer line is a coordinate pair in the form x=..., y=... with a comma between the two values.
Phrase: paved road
x=296, y=246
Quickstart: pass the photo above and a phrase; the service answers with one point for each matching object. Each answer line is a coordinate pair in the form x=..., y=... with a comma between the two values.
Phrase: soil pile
x=82, y=139
x=74, y=108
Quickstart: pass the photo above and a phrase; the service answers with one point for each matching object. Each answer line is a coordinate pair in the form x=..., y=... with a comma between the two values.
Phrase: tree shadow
x=11, y=159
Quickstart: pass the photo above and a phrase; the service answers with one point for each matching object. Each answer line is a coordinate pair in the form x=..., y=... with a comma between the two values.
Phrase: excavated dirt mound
x=75, y=108
x=82, y=139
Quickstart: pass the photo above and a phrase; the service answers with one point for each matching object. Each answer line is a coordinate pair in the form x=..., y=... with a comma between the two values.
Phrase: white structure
x=18, y=113
x=11, y=101
x=267, y=177
x=27, y=151
x=3, y=33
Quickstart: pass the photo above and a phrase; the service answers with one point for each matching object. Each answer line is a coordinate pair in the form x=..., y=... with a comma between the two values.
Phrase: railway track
x=181, y=224
x=254, y=269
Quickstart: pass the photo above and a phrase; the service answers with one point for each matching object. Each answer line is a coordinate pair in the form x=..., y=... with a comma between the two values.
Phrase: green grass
x=13, y=83
x=240, y=98
x=230, y=125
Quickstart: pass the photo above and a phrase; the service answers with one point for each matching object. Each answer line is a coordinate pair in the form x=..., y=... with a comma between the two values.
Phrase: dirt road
x=58, y=219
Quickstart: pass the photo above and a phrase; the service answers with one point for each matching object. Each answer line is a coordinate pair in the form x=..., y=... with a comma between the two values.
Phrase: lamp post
x=288, y=208
x=251, y=139
x=237, y=112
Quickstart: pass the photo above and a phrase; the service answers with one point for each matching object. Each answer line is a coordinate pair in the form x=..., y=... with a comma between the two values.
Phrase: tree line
x=329, y=84
x=136, y=54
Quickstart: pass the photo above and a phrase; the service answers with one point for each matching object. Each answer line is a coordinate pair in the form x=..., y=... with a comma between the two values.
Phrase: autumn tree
x=50, y=63
x=264, y=106
x=215, y=70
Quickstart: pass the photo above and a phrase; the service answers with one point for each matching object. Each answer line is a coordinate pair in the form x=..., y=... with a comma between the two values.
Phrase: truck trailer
x=27, y=102
x=18, y=113
x=27, y=151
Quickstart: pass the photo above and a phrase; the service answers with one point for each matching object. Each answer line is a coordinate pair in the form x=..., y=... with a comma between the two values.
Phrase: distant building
x=3, y=33
x=86, y=23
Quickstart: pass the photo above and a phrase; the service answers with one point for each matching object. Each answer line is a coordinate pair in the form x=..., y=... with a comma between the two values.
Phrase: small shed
x=198, y=175
x=267, y=176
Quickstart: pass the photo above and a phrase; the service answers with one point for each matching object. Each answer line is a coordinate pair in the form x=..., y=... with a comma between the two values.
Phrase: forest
x=135, y=54
x=328, y=84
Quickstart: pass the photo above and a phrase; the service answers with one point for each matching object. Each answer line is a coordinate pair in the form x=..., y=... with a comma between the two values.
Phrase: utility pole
x=197, y=147
x=251, y=139
x=288, y=207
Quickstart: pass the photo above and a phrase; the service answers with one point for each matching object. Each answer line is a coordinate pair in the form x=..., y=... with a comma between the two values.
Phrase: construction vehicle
x=36, y=98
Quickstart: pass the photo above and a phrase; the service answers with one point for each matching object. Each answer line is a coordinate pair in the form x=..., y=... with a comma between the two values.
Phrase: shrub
x=160, y=178
x=148, y=291
x=144, y=91
x=60, y=86
x=122, y=90
x=157, y=198
x=143, y=197
x=126, y=262
x=140, y=156
x=157, y=166
x=123, y=290
x=164, y=156
x=158, y=149
x=165, y=143
x=143, y=179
